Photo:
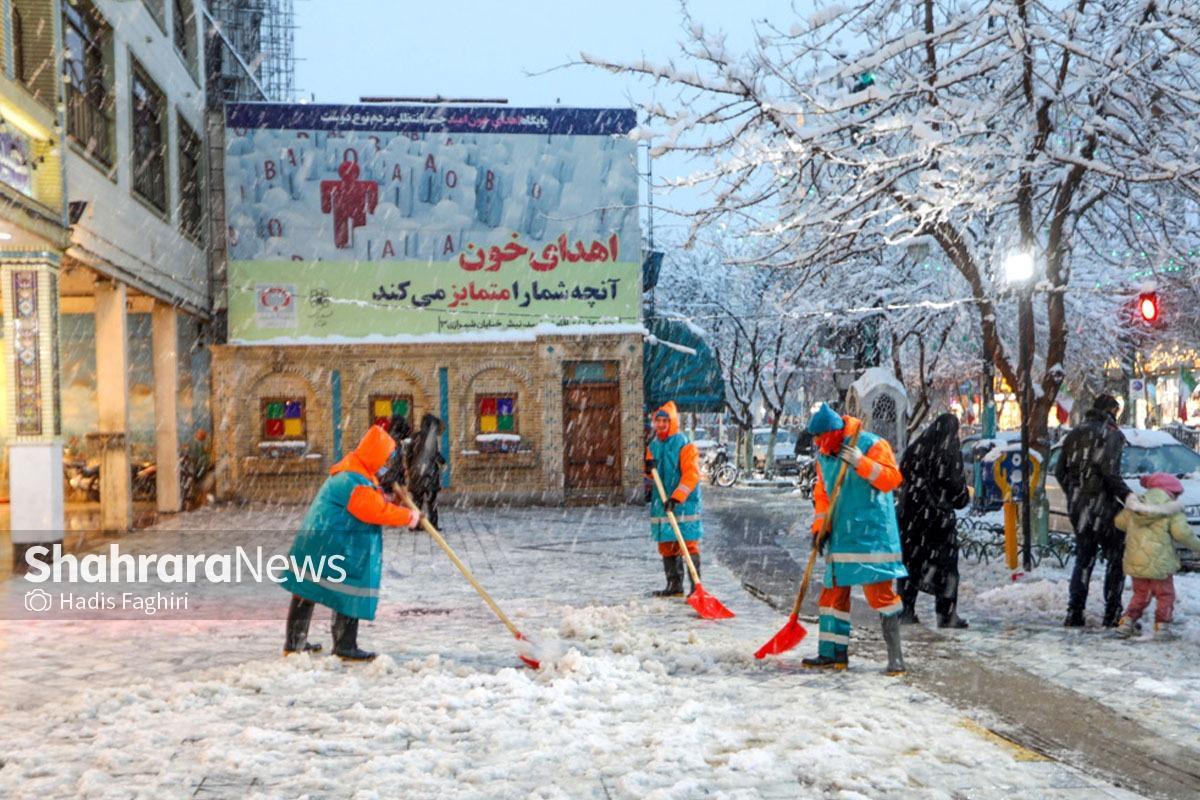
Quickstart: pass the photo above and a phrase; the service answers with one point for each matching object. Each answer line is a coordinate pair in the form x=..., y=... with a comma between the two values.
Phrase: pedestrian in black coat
x=425, y=462
x=1089, y=472
x=935, y=485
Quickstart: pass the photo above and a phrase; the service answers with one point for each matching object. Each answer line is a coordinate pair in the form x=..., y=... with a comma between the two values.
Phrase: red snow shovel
x=487, y=598
x=705, y=604
x=792, y=632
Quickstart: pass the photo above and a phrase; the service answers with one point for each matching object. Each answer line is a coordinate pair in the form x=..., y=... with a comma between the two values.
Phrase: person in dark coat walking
x=935, y=485
x=1089, y=472
x=425, y=462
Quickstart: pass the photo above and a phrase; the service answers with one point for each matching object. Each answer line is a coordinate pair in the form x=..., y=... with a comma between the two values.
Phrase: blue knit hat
x=825, y=420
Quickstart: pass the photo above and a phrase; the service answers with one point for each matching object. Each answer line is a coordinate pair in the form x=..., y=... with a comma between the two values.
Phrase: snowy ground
x=1020, y=623
x=1154, y=682
x=638, y=697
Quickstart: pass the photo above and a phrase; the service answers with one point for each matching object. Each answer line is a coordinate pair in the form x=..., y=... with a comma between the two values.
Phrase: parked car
x=1145, y=452
x=704, y=445
x=785, y=450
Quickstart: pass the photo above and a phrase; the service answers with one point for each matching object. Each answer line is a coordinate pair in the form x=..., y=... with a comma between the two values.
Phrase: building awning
x=679, y=365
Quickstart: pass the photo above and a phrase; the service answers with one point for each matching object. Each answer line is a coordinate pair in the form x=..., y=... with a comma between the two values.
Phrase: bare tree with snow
x=979, y=128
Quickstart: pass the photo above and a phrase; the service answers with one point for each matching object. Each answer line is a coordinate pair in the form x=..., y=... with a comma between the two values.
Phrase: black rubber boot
x=951, y=620
x=890, y=623
x=907, y=589
x=300, y=613
x=345, y=639
x=673, y=567
x=947, y=615
x=839, y=661
x=1074, y=619
x=691, y=580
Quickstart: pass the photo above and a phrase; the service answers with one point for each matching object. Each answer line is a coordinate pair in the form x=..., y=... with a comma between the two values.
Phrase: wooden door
x=592, y=436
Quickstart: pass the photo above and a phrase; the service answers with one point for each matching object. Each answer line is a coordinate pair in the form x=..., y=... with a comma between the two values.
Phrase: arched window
x=883, y=418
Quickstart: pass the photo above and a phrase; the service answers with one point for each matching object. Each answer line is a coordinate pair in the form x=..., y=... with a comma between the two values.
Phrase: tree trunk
x=747, y=447
x=769, y=461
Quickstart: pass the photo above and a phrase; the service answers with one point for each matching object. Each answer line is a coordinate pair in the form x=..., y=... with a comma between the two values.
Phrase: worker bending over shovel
x=342, y=535
x=678, y=465
x=863, y=545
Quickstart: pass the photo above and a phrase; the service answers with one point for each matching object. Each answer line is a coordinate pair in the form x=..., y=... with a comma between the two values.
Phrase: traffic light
x=1147, y=306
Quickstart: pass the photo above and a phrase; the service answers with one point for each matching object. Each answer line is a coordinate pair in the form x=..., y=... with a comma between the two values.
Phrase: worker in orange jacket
x=862, y=547
x=678, y=463
x=342, y=535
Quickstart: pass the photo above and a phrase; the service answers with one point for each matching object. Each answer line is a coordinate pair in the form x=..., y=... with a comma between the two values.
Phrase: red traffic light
x=1148, y=306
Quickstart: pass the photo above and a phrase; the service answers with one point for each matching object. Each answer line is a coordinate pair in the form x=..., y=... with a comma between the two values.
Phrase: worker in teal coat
x=336, y=558
x=678, y=465
x=862, y=547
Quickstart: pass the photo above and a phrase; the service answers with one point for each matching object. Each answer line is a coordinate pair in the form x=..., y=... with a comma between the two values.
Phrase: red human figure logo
x=349, y=200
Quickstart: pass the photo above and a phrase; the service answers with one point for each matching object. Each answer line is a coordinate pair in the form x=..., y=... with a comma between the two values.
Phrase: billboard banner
x=388, y=222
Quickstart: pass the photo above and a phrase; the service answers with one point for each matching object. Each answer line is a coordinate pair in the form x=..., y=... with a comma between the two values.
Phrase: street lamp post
x=1019, y=268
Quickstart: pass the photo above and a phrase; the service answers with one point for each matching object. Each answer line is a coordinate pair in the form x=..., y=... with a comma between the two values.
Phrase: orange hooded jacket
x=689, y=456
x=367, y=503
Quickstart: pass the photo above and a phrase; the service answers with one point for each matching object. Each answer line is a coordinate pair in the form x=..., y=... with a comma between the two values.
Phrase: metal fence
x=1189, y=436
x=982, y=541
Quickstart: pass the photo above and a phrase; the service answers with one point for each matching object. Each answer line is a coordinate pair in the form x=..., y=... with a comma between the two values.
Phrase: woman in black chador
x=934, y=487
x=425, y=462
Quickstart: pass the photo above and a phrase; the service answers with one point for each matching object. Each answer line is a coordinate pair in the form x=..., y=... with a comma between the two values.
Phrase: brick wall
x=243, y=375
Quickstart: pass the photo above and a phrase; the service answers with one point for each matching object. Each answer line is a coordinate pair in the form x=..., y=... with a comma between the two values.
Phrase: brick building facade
x=574, y=434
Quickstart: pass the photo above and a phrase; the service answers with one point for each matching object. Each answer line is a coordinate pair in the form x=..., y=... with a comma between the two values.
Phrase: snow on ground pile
x=1154, y=682
x=639, y=699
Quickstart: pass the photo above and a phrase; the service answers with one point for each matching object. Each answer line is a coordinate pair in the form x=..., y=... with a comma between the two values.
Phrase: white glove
x=850, y=454
x=415, y=522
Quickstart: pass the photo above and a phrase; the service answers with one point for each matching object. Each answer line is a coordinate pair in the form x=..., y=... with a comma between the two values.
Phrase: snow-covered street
x=637, y=697
x=1021, y=623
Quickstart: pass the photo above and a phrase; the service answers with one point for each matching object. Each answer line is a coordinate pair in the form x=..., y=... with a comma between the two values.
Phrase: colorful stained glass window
x=497, y=413
x=283, y=419
x=384, y=408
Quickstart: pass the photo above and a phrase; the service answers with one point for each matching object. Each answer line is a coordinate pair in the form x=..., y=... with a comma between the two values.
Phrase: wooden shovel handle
x=825, y=528
x=662, y=493
x=405, y=498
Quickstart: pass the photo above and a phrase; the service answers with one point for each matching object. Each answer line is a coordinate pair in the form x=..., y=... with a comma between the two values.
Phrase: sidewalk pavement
x=1023, y=678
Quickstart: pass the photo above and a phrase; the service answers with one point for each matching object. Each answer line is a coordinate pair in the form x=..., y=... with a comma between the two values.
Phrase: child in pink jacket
x=1153, y=522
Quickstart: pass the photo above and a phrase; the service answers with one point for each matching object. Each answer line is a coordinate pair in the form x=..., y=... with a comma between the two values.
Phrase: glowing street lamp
x=1019, y=268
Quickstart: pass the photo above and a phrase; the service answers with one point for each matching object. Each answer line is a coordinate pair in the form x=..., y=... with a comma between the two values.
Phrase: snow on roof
x=691, y=326
x=874, y=377
x=652, y=339
x=489, y=335
x=1008, y=447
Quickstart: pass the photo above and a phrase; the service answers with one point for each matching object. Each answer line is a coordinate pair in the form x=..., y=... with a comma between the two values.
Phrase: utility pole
x=649, y=176
x=1026, y=376
x=1020, y=269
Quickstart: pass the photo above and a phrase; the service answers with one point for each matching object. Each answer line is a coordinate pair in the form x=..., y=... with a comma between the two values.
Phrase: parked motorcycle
x=806, y=478
x=721, y=470
x=143, y=478
x=84, y=479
